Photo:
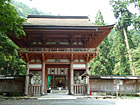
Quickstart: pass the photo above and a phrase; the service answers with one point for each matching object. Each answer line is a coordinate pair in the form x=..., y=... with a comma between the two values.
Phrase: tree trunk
x=127, y=46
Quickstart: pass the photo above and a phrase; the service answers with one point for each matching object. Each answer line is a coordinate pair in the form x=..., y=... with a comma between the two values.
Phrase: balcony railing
x=61, y=49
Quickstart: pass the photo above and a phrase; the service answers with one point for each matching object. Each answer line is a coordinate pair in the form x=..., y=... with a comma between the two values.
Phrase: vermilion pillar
x=46, y=78
x=71, y=77
x=87, y=70
x=43, y=78
x=27, y=78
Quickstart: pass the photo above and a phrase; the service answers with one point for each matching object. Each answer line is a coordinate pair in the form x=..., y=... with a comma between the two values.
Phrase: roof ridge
x=61, y=17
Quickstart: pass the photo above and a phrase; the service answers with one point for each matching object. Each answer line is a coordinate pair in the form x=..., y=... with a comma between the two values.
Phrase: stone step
x=59, y=91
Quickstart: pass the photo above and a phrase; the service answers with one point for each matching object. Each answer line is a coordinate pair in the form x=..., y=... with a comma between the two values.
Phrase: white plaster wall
x=34, y=66
x=79, y=65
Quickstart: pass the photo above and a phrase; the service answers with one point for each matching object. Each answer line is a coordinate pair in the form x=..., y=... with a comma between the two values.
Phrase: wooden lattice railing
x=34, y=90
x=80, y=89
x=62, y=49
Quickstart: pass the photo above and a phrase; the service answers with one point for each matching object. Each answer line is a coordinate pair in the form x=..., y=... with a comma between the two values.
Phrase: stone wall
x=12, y=85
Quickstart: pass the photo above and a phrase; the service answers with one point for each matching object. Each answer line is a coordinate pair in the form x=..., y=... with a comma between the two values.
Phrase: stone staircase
x=59, y=91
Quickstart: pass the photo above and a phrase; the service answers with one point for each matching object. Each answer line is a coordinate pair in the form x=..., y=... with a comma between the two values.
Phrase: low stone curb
x=77, y=97
x=18, y=97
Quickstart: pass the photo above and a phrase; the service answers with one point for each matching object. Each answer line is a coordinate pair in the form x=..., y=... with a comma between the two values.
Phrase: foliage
x=99, y=19
x=9, y=19
x=136, y=60
x=119, y=52
x=10, y=64
x=136, y=2
x=124, y=17
x=135, y=37
x=121, y=13
x=10, y=23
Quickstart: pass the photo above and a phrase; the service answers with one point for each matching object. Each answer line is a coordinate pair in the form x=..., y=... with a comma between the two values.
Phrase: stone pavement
x=64, y=99
x=52, y=96
x=84, y=101
x=58, y=96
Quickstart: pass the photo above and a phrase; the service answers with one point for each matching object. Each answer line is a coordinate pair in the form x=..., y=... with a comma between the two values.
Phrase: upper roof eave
x=65, y=27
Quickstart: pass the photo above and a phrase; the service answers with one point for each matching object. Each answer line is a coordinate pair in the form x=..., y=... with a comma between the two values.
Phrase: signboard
x=116, y=87
x=118, y=82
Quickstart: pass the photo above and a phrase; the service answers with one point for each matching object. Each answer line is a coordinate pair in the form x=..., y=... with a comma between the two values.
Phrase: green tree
x=101, y=64
x=119, y=53
x=99, y=19
x=9, y=19
x=136, y=2
x=10, y=23
x=135, y=37
x=136, y=60
x=124, y=17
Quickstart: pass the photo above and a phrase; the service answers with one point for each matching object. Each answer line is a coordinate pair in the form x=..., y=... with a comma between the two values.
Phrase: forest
x=119, y=53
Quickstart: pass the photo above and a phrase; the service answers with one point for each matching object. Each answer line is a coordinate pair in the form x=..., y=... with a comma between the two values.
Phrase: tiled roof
x=58, y=20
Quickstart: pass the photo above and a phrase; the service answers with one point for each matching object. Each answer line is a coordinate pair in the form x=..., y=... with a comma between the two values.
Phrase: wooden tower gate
x=55, y=41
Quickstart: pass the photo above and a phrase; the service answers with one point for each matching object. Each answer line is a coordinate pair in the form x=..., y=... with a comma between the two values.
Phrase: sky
x=74, y=8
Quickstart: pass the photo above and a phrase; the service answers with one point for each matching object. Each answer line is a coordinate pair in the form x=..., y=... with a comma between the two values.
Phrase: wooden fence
x=80, y=89
x=34, y=90
x=108, y=86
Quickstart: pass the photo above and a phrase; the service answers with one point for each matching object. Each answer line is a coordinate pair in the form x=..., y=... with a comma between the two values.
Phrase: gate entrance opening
x=58, y=75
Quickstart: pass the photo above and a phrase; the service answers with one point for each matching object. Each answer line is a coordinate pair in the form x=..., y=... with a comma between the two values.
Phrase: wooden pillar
x=27, y=78
x=43, y=78
x=66, y=77
x=69, y=80
x=46, y=78
x=71, y=75
x=88, y=85
x=53, y=80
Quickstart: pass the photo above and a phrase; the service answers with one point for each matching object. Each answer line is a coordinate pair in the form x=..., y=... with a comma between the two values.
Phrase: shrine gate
x=59, y=47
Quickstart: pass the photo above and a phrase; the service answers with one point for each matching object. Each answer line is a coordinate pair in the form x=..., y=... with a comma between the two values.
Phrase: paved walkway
x=84, y=101
x=66, y=96
x=57, y=96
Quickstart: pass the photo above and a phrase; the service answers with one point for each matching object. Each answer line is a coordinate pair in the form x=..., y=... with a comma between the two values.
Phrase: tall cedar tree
x=124, y=17
x=119, y=53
